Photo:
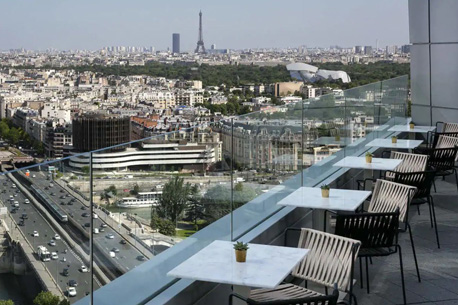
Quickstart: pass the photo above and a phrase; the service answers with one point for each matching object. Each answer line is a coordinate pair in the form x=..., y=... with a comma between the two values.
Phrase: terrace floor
x=438, y=267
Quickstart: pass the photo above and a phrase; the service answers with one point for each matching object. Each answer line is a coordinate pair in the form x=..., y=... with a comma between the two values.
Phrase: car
x=34, y=176
x=13, y=210
x=16, y=204
x=62, y=191
x=35, y=234
x=52, y=194
x=46, y=188
x=18, y=191
x=62, y=203
x=62, y=197
x=83, y=208
x=52, y=243
x=72, y=283
x=115, y=250
x=54, y=256
x=56, y=236
x=85, y=214
x=101, y=230
x=24, y=216
x=112, y=254
x=65, y=272
x=21, y=223
x=83, y=269
x=110, y=236
x=87, y=225
x=26, y=201
x=104, y=225
x=14, y=186
x=95, y=216
x=71, y=291
x=123, y=242
x=73, y=200
x=141, y=258
x=70, y=203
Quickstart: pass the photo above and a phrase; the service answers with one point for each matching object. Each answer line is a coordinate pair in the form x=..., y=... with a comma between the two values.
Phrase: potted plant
x=325, y=190
x=411, y=125
x=240, y=251
x=394, y=139
x=369, y=157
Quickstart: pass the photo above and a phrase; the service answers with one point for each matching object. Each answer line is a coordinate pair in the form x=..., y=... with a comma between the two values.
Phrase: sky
x=233, y=24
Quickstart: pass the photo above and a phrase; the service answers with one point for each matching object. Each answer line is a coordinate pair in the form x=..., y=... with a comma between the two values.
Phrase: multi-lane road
x=67, y=259
x=107, y=239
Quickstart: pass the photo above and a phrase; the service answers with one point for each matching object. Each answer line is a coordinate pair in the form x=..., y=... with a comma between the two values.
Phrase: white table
x=377, y=163
x=401, y=144
x=339, y=199
x=265, y=266
x=416, y=129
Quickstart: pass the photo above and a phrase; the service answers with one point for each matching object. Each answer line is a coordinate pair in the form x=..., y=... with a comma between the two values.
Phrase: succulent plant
x=240, y=246
x=325, y=187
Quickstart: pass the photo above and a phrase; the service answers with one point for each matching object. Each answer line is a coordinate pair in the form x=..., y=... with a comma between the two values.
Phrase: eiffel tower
x=200, y=43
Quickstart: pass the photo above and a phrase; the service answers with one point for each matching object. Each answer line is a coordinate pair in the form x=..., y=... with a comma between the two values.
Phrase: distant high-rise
x=368, y=50
x=200, y=42
x=176, y=43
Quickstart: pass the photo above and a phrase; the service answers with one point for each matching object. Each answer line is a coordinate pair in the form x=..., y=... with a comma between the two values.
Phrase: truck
x=43, y=254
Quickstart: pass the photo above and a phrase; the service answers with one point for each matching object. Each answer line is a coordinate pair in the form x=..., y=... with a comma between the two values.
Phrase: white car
x=26, y=201
x=56, y=237
x=52, y=243
x=84, y=269
x=95, y=216
x=35, y=234
x=54, y=255
x=71, y=291
x=110, y=236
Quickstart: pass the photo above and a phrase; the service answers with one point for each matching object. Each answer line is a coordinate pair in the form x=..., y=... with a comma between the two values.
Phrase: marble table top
x=401, y=144
x=339, y=199
x=416, y=129
x=377, y=163
x=265, y=267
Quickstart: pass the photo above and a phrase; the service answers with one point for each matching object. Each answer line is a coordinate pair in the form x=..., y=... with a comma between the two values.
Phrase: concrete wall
x=434, y=60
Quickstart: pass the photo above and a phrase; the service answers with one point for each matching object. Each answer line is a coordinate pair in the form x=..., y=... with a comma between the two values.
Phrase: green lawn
x=184, y=233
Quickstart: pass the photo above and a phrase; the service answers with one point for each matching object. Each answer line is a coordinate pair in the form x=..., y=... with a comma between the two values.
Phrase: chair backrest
x=450, y=127
x=373, y=230
x=447, y=142
x=330, y=260
x=423, y=181
x=442, y=158
x=435, y=136
x=410, y=162
x=389, y=196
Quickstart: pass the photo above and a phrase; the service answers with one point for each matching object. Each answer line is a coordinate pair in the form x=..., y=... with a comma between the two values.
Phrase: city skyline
x=48, y=24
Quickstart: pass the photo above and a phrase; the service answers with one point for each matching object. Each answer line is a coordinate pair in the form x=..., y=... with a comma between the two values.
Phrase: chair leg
x=361, y=272
x=414, y=253
x=430, y=214
x=418, y=209
x=402, y=275
x=434, y=185
x=367, y=275
x=456, y=177
x=435, y=222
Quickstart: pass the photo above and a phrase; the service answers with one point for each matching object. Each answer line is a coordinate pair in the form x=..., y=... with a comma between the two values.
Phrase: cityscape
x=121, y=163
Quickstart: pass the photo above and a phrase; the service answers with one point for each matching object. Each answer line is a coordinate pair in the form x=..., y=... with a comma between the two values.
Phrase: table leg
x=244, y=291
x=318, y=220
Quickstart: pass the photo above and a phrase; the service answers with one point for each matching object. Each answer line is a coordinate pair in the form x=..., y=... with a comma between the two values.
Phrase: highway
x=36, y=222
x=126, y=258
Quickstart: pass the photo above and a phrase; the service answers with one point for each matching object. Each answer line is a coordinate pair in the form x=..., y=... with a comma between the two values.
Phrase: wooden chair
x=378, y=233
x=329, y=263
x=390, y=196
x=423, y=181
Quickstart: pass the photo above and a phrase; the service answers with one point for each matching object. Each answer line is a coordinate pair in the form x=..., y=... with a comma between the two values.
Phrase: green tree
x=4, y=129
x=64, y=302
x=135, y=190
x=14, y=136
x=195, y=209
x=166, y=227
x=155, y=219
x=6, y=302
x=174, y=198
x=86, y=169
x=46, y=298
x=111, y=189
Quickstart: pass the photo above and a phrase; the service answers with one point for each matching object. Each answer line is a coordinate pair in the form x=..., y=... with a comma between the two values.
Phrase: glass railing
x=128, y=214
